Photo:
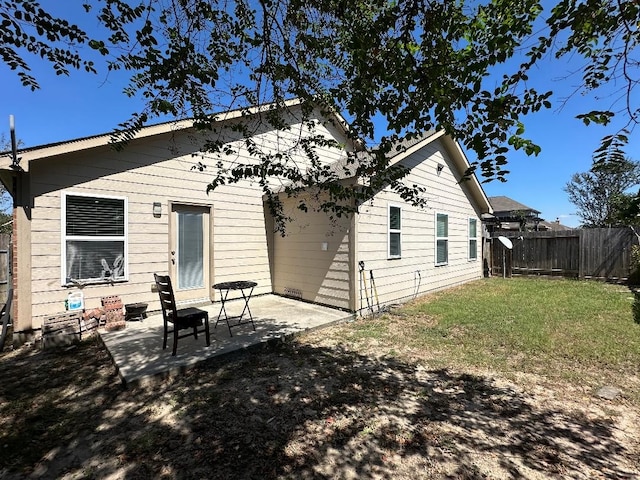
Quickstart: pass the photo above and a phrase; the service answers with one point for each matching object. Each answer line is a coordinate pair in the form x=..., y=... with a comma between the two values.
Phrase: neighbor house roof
x=507, y=211
x=554, y=226
x=505, y=204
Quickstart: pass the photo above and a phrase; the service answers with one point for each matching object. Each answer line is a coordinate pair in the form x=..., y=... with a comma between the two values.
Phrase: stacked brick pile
x=114, y=313
x=110, y=315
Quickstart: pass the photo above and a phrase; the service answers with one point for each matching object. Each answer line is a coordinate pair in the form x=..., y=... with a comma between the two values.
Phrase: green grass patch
x=538, y=325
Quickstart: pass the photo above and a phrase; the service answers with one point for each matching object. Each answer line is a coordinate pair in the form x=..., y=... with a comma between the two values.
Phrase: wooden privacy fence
x=599, y=253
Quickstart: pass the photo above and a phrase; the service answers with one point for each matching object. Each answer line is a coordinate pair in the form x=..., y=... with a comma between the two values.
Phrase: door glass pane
x=190, y=250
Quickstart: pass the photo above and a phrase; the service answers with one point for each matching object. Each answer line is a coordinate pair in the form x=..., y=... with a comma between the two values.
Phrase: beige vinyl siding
x=147, y=171
x=314, y=257
x=415, y=273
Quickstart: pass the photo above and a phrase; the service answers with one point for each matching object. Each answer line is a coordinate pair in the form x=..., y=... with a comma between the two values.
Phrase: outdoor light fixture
x=157, y=209
x=439, y=168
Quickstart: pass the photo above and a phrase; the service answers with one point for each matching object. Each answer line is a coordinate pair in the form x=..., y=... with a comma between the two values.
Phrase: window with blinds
x=473, y=239
x=94, y=238
x=395, y=232
x=442, y=238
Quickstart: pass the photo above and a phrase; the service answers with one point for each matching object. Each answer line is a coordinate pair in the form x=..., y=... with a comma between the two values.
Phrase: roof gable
x=408, y=146
x=459, y=160
x=344, y=167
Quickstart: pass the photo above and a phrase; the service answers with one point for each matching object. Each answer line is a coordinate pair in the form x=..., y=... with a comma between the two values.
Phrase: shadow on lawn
x=295, y=411
x=51, y=402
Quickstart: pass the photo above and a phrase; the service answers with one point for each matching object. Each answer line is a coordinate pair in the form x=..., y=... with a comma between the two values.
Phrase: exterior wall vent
x=293, y=293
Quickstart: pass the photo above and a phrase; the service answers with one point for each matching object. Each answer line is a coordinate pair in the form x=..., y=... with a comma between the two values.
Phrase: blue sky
x=85, y=104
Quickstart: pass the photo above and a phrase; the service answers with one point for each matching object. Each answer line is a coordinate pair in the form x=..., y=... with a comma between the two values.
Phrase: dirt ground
x=312, y=408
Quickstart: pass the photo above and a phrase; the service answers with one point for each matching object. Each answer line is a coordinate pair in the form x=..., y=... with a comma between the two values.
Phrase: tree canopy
x=393, y=69
x=602, y=195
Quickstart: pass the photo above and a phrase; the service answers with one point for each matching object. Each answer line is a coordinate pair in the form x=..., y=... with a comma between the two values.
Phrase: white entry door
x=189, y=252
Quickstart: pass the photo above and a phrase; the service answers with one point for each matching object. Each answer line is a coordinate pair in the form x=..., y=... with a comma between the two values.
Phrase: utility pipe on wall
x=14, y=144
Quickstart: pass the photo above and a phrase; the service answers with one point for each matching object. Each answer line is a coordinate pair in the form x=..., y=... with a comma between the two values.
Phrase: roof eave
x=460, y=159
x=101, y=140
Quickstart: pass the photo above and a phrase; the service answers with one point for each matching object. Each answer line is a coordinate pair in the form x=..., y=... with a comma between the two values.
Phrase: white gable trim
x=460, y=161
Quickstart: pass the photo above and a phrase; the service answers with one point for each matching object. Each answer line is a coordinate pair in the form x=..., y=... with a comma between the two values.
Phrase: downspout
x=21, y=234
x=353, y=262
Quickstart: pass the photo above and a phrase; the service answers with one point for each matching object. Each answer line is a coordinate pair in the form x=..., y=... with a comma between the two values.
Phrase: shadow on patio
x=139, y=358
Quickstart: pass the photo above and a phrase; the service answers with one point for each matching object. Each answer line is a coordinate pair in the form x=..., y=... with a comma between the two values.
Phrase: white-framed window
x=442, y=239
x=94, y=238
x=473, y=239
x=395, y=231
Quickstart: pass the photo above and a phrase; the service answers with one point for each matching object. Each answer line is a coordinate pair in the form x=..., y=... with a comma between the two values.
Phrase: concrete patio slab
x=137, y=349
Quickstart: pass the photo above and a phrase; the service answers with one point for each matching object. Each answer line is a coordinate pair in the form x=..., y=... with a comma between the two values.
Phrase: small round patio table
x=225, y=288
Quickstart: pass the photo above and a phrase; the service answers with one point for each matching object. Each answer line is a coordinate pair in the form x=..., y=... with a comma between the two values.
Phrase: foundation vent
x=293, y=293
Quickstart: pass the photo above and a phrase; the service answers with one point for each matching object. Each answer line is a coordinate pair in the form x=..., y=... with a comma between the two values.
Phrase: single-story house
x=89, y=217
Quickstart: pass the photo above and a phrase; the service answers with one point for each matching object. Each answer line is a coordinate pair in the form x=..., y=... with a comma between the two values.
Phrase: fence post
x=581, y=255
